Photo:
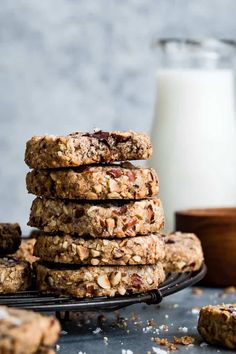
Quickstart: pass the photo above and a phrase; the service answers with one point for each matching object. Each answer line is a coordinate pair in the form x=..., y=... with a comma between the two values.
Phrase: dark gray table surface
x=92, y=333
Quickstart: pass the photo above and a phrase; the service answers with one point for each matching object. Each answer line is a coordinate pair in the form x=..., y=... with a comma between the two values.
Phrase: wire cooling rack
x=36, y=301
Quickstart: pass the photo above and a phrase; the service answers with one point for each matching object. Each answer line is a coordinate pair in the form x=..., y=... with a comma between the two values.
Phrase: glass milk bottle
x=193, y=131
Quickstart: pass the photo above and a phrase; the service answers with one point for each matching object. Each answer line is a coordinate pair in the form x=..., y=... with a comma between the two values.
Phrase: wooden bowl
x=216, y=229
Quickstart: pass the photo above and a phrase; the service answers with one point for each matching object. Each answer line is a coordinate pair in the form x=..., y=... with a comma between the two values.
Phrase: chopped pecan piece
x=114, y=172
x=136, y=280
x=131, y=176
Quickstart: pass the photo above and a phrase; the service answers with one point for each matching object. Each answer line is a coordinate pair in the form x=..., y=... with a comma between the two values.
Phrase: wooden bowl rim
x=227, y=212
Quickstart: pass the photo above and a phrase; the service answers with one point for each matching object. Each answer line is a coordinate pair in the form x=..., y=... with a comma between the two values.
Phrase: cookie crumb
x=164, y=342
x=134, y=317
x=161, y=341
x=121, y=322
x=164, y=328
x=151, y=323
x=172, y=347
x=185, y=340
x=197, y=291
x=230, y=290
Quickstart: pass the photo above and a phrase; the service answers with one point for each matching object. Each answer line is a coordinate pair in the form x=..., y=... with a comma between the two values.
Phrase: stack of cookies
x=99, y=219
x=15, y=275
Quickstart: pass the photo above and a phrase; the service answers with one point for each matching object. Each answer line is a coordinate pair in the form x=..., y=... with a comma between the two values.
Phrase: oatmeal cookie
x=124, y=181
x=67, y=249
x=10, y=236
x=79, y=148
x=26, y=332
x=217, y=324
x=183, y=252
x=15, y=275
x=98, y=281
x=100, y=219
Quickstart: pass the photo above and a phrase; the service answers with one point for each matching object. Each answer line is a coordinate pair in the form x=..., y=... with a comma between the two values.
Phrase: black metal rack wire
x=37, y=301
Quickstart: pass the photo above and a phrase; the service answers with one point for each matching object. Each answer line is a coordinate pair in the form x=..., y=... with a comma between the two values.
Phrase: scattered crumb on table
x=197, y=291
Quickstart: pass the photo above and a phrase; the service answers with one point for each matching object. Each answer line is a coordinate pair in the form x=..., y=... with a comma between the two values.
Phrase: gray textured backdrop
x=69, y=65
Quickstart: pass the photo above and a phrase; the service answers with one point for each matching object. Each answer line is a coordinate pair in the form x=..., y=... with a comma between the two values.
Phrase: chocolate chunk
x=99, y=135
x=79, y=213
x=123, y=209
x=151, y=214
x=115, y=172
x=120, y=138
x=169, y=241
